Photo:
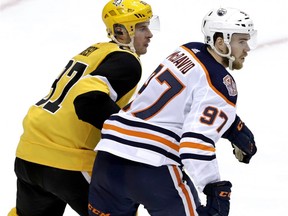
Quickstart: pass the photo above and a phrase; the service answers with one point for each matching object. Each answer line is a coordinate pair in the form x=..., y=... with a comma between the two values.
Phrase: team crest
x=230, y=85
x=117, y=2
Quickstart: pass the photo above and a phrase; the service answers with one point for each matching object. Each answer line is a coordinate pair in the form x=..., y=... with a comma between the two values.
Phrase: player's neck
x=220, y=59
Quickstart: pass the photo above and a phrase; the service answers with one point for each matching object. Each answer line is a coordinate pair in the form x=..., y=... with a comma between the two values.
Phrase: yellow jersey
x=53, y=134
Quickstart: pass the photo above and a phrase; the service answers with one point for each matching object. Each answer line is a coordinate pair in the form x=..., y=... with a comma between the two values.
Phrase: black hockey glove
x=242, y=140
x=218, y=199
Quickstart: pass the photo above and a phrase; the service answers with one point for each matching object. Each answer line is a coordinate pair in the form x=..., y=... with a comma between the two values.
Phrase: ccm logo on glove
x=224, y=194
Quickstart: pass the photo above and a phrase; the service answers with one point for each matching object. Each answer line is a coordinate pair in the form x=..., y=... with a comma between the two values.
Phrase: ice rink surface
x=37, y=38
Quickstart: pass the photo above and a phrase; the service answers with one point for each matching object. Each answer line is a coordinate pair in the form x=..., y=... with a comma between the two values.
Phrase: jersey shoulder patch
x=220, y=78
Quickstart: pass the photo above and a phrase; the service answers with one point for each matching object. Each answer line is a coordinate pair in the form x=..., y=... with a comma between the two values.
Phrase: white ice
x=37, y=38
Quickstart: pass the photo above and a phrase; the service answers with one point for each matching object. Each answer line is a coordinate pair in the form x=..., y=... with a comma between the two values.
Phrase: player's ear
x=121, y=33
x=220, y=44
x=118, y=31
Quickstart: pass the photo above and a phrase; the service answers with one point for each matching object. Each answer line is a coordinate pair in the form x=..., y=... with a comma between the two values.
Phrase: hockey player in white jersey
x=172, y=127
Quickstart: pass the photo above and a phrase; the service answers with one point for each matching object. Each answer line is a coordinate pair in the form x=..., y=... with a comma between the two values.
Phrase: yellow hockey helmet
x=126, y=13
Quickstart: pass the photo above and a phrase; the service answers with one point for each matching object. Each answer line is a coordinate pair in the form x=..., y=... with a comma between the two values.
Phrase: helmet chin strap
x=231, y=60
x=228, y=55
x=129, y=45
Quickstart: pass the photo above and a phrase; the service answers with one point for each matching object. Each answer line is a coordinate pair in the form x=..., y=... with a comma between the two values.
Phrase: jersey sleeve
x=114, y=78
x=211, y=114
x=201, y=132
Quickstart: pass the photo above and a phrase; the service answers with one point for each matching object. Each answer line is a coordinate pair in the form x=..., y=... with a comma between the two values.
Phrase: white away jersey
x=179, y=114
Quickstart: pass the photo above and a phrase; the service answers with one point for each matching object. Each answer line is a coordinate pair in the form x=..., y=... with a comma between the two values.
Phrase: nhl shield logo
x=230, y=85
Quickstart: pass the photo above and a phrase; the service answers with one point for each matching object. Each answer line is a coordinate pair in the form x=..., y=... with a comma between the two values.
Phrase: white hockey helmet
x=227, y=21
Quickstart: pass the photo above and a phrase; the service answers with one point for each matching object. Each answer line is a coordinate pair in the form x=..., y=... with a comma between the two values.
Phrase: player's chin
x=237, y=66
x=142, y=51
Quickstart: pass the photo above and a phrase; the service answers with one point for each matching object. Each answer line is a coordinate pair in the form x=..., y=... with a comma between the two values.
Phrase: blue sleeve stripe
x=197, y=157
x=198, y=136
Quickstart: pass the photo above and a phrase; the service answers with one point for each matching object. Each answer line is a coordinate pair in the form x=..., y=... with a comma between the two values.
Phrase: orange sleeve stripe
x=208, y=77
x=142, y=135
x=197, y=146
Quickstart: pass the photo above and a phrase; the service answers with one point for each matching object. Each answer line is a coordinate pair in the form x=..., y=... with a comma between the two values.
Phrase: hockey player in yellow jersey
x=55, y=154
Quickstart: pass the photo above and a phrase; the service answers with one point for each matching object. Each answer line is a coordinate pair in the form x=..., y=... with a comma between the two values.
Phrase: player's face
x=240, y=49
x=142, y=37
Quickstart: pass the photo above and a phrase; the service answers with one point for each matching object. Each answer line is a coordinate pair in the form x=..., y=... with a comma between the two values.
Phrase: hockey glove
x=242, y=141
x=218, y=199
